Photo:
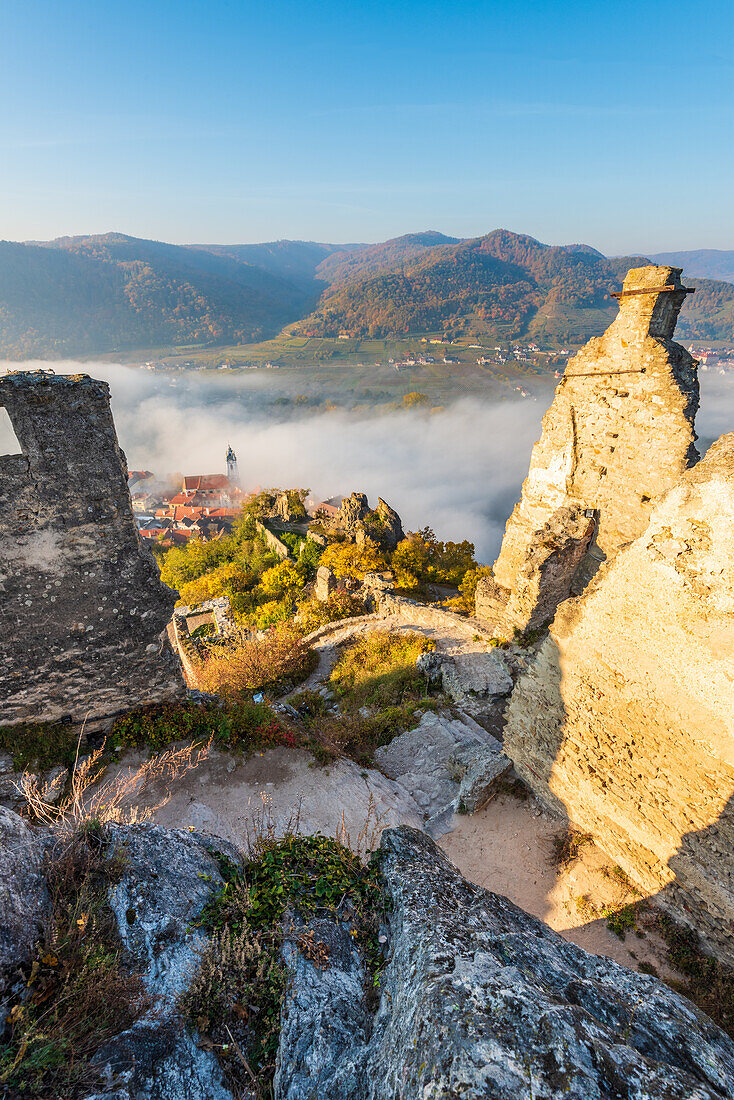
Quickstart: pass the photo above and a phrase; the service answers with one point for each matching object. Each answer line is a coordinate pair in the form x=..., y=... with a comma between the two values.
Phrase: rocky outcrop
x=476, y=998
x=625, y=719
x=545, y=577
x=80, y=591
x=480, y=1000
x=325, y=1020
x=618, y=434
x=445, y=764
x=390, y=524
x=325, y=583
x=24, y=901
x=168, y=878
x=357, y=523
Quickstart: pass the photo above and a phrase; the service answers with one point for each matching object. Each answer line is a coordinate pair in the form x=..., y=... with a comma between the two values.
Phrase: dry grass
x=378, y=669
x=90, y=798
x=76, y=994
x=274, y=662
x=567, y=846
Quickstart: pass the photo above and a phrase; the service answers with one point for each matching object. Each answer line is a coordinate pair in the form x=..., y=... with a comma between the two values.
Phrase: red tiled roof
x=205, y=482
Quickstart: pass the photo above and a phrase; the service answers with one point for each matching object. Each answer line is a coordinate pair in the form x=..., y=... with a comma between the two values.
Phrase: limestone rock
x=546, y=575
x=325, y=1023
x=391, y=527
x=159, y=1060
x=625, y=719
x=355, y=522
x=430, y=665
x=80, y=591
x=325, y=583
x=168, y=878
x=481, y=1000
x=475, y=678
x=620, y=430
x=479, y=782
x=431, y=760
x=352, y=511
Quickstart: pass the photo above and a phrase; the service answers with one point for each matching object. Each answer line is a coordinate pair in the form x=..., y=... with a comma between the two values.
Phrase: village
x=180, y=507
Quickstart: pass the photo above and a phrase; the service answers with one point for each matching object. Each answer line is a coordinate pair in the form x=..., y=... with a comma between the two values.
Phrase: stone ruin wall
x=625, y=720
x=618, y=434
x=82, y=606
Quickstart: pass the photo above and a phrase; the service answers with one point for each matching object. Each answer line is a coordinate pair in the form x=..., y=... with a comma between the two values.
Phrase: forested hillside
x=84, y=295
x=703, y=263
x=98, y=294
x=501, y=286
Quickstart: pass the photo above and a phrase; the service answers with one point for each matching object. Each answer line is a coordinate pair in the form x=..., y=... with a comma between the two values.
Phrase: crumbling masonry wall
x=618, y=434
x=82, y=606
x=625, y=719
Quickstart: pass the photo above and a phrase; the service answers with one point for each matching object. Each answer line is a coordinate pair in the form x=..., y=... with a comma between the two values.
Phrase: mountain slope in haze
x=87, y=295
x=98, y=294
x=296, y=261
x=701, y=263
x=359, y=261
x=501, y=286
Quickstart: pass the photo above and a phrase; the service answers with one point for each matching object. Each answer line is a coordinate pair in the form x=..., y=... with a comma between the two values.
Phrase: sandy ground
x=505, y=847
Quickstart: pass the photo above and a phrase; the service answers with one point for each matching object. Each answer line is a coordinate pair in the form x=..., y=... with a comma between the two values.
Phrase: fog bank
x=458, y=470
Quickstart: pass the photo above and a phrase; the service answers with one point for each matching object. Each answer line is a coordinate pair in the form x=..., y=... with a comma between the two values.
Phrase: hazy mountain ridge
x=701, y=263
x=84, y=295
x=112, y=292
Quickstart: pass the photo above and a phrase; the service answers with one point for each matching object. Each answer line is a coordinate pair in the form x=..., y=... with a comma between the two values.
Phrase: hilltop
x=115, y=293
x=500, y=286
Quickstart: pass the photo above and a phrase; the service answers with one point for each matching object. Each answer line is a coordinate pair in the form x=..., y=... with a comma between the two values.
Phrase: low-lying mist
x=458, y=470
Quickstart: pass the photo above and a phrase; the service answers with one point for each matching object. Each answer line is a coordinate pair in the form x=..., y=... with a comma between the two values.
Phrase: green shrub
x=244, y=727
x=241, y=978
x=40, y=745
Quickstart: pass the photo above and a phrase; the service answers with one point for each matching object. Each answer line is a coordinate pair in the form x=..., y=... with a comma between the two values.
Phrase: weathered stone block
x=325, y=583
x=479, y=782
x=83, y=608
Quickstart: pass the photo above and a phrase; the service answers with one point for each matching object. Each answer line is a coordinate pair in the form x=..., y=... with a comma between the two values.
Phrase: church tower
x=232, y=473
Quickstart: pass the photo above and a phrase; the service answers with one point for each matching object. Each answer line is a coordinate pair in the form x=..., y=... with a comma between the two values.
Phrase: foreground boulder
x=24, y=902
x=476, y=998
x=482, y=1000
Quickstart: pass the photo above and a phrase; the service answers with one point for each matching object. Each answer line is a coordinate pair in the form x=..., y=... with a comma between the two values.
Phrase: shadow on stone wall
x=632, y=794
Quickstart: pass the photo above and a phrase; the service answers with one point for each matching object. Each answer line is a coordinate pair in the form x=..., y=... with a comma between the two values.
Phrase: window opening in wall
x=9, y=444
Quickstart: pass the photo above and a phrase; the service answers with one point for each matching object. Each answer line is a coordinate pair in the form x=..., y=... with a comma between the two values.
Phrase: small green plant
x=622, y=919
x=358, y=735
x=237, y=993
x=40, y=745
x=708, y=982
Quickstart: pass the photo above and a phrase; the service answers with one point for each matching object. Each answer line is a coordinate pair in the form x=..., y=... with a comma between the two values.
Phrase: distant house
x=205, y=483
x=327, y=508
x=135, y=477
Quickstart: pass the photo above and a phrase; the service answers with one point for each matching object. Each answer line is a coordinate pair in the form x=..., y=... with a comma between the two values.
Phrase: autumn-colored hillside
x=98, y=294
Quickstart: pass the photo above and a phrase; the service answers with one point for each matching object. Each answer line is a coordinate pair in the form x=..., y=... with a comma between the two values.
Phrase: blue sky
x=605, y=123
